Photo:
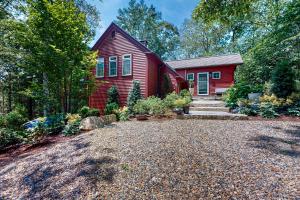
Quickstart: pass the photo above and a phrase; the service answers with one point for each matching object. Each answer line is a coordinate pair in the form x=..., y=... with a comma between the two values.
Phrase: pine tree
x=134, y=95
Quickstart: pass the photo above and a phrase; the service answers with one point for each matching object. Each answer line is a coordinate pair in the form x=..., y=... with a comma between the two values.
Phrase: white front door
x=203, y=83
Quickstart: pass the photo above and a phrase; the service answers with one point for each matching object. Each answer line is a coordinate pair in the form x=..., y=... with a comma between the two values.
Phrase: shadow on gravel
x=60, y=174
x=288, y=147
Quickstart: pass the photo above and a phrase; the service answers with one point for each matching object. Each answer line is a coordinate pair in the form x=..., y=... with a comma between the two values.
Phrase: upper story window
x=216, y=75
x=100, y=68
x=190, y=76
x=113, y=66
x=127, y=65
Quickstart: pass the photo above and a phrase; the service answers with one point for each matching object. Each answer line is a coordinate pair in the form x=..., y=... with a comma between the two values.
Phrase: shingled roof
x=211, y=61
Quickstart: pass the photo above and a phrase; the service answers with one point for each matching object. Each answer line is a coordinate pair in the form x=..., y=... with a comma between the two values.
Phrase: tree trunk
x=46, y=94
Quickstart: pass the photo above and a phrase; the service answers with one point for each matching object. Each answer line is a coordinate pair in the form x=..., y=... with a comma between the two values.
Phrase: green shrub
x=185, y=93
x=237, y=91
x=14, y=120
x=180, y=103
x=108, y=119
x=110, y=108
x=113, y=95
x=72, y=128
x=283, y=80
x=54, y=124
x=267, y=110
x=85, y=112
x=294, y=111
x=133, y=96
x=250, y=111
x=155, y=106
x=170, y=99
x=141, y=107
x=2, y=121
x=123, y=114
x=10, y=137
x=94, y=112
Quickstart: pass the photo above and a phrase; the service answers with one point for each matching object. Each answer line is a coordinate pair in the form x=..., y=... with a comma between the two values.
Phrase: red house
x=123, y=59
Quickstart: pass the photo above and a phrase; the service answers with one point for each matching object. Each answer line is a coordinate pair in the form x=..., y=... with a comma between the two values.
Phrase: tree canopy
x=144, y=22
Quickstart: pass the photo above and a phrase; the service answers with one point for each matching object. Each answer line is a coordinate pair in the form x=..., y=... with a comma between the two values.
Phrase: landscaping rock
x=91, y=123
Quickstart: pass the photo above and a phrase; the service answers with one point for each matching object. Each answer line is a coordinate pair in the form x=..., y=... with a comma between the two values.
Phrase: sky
x=173, y=11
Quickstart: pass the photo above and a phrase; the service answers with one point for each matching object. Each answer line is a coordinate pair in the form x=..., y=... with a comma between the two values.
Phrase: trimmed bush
x=283, y=80
x=141, y=107
x=133, y=96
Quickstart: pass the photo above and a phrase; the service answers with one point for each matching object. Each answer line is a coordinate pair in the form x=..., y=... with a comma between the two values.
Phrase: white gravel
x=175, y=159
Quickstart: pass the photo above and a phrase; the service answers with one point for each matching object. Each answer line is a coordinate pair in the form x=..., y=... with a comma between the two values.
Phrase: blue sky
x=174, y=11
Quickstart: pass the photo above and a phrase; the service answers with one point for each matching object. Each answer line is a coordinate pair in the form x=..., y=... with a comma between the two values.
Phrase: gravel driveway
x=176, y=159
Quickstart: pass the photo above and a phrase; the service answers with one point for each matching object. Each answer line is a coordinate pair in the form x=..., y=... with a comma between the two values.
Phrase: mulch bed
x=19, y=151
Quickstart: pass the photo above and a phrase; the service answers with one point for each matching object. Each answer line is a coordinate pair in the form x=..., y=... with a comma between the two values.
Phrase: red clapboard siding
x=227, y=76
x=153, y=82
x=118, y=47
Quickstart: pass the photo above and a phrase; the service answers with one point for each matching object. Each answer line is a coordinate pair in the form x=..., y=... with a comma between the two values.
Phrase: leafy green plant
x=283, y=80
x=2, y=121
x=123, y=114
x=169, y=100
x=10, y=137
x=167, y=86
x=237, y=91
x=85, y=111
x=185, y=93
x=141, y=107
x=111, y=108
x=294, y=111
x=180, y=103
x=133, y=96
x=71, y=128
x=155, y=106
x=267, y=110
x=14, y=120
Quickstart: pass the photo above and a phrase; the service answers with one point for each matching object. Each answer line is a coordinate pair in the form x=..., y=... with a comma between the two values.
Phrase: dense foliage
x=45, y=60
x=134, y=95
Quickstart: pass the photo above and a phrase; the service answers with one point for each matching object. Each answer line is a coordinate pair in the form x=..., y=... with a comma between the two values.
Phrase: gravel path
x=176, y=159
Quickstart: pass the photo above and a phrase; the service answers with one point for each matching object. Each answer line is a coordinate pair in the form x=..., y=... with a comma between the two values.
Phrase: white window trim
x=212, y=76
x=116, y=66
x=103, y=67
x=187, y=75
x=130, y=64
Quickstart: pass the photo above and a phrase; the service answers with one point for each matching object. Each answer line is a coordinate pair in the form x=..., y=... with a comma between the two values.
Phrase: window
x=216, y=75
x=190, y=77
x=126, y=65
x=100, y=68
x=113, y=66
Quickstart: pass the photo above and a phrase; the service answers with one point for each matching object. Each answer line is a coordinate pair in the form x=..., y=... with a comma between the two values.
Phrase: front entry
x=203, y=83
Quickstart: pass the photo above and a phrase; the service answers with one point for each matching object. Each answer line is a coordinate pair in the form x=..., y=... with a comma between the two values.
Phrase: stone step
x=221, y=109
x=207, y=104
x=213, y=115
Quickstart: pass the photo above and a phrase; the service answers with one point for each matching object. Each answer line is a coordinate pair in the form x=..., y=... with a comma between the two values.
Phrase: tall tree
x=198, y=39
x=145, y=23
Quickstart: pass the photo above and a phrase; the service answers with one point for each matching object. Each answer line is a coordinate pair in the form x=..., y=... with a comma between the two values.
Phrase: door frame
x=207, y=74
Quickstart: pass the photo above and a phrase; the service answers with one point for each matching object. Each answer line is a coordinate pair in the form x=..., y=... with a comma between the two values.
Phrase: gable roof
x=210, y=61
x=146, y=50
x=114, y=26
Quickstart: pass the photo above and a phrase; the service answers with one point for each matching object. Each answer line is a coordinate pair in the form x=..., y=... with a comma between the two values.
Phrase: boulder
x=91, y=123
